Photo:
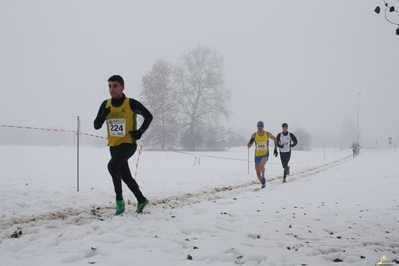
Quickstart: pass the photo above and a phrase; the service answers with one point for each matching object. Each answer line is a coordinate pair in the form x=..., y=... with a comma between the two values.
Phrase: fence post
x=77, y=153
x=248, y=161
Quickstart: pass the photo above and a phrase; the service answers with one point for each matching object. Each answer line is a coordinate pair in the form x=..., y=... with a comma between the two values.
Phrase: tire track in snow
x=220, y=192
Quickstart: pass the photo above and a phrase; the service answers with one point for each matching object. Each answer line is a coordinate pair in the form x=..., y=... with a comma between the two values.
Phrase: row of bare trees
x=188, y=101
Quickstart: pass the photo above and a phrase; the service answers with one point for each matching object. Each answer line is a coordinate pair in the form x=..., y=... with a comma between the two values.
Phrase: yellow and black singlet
x=120, y=121
x=261, y=144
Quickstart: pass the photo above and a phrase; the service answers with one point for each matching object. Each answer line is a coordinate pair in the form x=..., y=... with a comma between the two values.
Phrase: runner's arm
x=99, y=121
x=294, y=140
x=271, y=136
x=278, y=141
x=251, y=141
x=140, y=109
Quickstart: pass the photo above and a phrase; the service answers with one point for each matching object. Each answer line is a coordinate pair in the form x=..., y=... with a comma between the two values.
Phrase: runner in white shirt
x=285, y=141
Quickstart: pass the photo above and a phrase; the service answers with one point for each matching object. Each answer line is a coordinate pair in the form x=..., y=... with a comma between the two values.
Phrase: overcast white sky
x=300, y=62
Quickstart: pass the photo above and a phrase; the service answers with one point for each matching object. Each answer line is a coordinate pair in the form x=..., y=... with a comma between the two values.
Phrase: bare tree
x=389, y=8
x=158, y=96
x=202, y=98
x=235, y=139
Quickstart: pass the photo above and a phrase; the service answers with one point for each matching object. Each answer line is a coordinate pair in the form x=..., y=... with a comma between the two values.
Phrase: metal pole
x=77, y=153
x=248, y=161
x=358, y=115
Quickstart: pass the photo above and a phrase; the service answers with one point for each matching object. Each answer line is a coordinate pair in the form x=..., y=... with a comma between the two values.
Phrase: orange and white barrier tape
x=138, y=159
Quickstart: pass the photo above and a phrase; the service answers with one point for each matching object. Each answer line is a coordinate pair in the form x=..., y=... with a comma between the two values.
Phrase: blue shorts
x=259, y=158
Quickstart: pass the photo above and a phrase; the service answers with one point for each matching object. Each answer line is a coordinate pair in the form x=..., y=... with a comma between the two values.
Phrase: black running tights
x=118, y=167
x=285, y=158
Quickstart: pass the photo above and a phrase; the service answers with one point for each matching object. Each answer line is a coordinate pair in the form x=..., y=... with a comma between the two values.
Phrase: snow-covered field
x=205, y=209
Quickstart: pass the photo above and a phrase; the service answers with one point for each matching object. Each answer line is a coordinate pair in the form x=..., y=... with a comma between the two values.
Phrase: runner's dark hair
x=118, y=79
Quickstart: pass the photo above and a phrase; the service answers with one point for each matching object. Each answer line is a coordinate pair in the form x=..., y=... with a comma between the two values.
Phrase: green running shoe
x=120, y=207
x=140, y=206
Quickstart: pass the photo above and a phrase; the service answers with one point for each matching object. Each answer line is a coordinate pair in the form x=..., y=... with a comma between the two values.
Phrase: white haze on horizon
x=303, y=64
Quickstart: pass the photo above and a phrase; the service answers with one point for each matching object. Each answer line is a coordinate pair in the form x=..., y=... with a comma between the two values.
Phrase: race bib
x=116, y=127
x=286, y=143
x=261, y=146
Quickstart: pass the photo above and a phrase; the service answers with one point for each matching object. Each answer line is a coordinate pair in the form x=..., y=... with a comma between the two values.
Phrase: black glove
x=292, y=145
x=136, y=134
x=105, y=112
x=280, y=146
x=275, y=152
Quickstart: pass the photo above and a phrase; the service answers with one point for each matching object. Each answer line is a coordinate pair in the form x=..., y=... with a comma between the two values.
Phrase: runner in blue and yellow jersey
x=261, y=139
x=120, y=113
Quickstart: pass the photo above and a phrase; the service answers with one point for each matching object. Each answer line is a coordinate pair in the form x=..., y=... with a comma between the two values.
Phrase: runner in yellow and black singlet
x=120, y=113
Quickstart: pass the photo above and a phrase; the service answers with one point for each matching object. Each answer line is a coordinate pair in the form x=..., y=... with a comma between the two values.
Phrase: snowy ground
x=204, y=210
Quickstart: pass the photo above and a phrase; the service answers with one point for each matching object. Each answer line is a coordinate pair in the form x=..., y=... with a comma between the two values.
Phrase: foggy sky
x=300, y=62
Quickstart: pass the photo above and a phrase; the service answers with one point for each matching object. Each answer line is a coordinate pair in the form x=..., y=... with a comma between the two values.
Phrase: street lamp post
x=358, y=114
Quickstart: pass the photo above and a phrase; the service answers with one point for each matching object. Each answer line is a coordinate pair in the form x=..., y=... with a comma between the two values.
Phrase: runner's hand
x=136, y=134
x=275, y=152
x=106, y=111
